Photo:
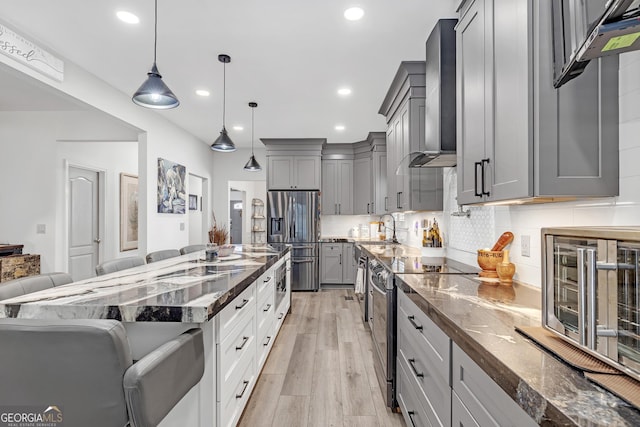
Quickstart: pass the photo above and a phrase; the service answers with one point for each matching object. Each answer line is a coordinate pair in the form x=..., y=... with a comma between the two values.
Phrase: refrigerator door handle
x=301, y=261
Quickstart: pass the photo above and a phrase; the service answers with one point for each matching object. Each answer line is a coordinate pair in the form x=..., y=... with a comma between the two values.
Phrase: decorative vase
x=506, y=269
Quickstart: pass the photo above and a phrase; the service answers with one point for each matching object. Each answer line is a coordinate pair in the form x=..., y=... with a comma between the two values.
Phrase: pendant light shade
x=154, y=93
x=223, y=142
x=252, y=165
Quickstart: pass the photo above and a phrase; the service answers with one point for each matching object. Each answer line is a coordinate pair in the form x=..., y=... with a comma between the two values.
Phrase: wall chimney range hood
x=440, y=100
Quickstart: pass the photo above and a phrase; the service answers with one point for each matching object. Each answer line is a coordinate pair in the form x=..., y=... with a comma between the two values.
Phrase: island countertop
x=182, y=289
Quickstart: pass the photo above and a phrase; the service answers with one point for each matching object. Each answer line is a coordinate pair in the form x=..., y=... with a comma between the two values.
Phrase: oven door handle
x=375, y=287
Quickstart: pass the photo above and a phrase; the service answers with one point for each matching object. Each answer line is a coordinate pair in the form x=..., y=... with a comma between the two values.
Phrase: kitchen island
x=476, y=320
x=239, y=302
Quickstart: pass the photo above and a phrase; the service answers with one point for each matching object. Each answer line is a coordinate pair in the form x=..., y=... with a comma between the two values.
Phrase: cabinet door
x=329, y=196
x=460, y=416
x=348, y=264
x=401, y=126
x=510, y=170
x=362, y=198
x=344, y=187
x=331, y=263
x=306, y=172
x=379, y=180
x=474, y=98
x=280, y=172
x=390, y=198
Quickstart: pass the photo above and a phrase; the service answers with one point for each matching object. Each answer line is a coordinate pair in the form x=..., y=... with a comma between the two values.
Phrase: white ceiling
x=290, y=56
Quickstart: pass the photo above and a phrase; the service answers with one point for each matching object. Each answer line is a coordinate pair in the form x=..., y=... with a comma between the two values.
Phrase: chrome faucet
x=394, y=239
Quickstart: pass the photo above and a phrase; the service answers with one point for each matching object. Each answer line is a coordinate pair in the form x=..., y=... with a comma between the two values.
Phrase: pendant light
x=154, y=93
x=252, y=165
x=223, y=142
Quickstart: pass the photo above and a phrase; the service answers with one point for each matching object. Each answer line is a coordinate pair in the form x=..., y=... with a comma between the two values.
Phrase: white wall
x=34, y=175
x=196, y=233
x=229, y=167
x=157, y=137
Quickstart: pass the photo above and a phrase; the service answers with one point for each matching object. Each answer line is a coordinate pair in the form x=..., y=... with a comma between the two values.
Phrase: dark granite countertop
x=480, y=318
x=181, y=289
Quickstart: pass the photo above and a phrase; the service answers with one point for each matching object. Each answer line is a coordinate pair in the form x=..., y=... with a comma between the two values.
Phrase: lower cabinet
x=245, y=332
x=337, y=265
x=438, y=384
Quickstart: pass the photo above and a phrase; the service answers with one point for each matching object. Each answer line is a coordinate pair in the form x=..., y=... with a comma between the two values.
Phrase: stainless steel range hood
x=440, y=101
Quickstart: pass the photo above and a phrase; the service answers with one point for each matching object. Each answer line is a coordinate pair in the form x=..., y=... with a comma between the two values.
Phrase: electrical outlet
x=182, y=226
x=525, y=246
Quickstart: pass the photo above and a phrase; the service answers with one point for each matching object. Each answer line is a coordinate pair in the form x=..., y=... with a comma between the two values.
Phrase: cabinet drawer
x=460, y=415
x=266, y=337
x=432, y=345
x=235, y=392
x=431, y=386
x=413, y=412
x=265, y=312
x=229, y=317
x=486, y=401
x=264, y=285
x=240, y=341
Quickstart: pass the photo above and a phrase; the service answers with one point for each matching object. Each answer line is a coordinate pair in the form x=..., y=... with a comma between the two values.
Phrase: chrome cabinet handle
x=413, y=368
x=244, y=302
x=415, y=325
x=267, y=308
x=268, y=279
x=244, y=388
x=244, y=342
x=303, y=261
x=266, y=343
x=280, y=316
x=97, y=240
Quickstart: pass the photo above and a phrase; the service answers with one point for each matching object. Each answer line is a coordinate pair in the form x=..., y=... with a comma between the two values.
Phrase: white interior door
x=84, y=238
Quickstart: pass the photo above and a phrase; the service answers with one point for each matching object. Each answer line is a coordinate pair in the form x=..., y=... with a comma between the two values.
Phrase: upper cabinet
x=404, y=109
x=370, y=175
x=517, y=136
x=337, y=179
x=293, y=164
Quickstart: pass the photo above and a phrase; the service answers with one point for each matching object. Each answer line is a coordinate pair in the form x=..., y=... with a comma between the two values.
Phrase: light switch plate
x=525, y=246
x=182, y=226
x=41, y=228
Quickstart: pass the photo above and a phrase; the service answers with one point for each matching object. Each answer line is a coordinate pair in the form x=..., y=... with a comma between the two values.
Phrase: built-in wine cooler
x=591, y=291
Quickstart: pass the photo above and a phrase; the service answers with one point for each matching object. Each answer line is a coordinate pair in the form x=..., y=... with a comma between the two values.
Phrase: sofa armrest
x=157, y=382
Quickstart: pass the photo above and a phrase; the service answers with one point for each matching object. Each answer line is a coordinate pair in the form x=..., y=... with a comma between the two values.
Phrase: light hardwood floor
x=320, y=371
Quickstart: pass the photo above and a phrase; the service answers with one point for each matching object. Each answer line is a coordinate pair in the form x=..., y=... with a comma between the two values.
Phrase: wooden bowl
x=488, y=260
x=225, y=250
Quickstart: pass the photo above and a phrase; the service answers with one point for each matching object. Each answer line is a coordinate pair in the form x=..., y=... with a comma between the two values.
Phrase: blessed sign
x=24, y=51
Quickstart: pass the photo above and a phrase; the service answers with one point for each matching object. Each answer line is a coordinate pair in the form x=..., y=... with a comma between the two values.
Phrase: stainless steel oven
x=382, y=322
x=591, y=291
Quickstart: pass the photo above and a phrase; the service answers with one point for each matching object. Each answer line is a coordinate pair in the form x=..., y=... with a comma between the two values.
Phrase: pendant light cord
x=155, y=38
x=252, y=110
x=224, y=92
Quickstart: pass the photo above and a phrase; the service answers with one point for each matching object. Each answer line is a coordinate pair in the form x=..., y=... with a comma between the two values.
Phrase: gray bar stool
x=163, y=254
x=119, y=264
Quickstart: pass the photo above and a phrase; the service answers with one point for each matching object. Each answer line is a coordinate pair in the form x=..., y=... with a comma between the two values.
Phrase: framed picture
x=128, y=212
x=193, y=202
x=171, y=187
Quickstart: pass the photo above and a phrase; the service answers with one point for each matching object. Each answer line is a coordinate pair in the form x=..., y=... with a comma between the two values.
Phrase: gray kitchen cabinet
x=294, y=172
x=362, y=186
x=517, y=136
x=337, y=265
x=379, y=178
x=293, y=164
x=404, y=109
x=484, y=400
x=337, y=187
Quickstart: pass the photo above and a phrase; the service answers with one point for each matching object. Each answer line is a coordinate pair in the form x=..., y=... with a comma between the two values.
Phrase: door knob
x=97, y=240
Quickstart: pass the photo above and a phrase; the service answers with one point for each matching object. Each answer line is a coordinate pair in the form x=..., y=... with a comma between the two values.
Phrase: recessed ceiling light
x=127, y=17
x=238, y=127
x=344, y=91
x=353, y=13
x=339, y=127
x=202, y=92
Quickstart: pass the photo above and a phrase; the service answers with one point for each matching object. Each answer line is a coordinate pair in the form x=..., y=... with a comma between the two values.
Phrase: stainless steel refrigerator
x=293, y=217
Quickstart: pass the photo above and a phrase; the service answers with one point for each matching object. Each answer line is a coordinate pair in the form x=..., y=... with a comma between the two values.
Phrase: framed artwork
x=171, y=187
x=128, y=212
x=193, y=202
